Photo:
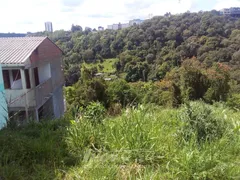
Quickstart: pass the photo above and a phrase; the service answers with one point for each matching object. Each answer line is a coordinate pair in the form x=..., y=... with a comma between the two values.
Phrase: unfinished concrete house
x=32, y=77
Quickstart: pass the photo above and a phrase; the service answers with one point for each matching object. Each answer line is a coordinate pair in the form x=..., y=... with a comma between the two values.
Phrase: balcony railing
x=19, y=98
x=43, y=92
x=34, y=97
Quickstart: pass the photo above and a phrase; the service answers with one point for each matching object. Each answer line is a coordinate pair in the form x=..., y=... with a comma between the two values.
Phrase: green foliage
x=196, y=81
x=156, y=42
x=190, y=54
x=164, y=93
x=106, y=66
x=87, y=91
x=94, y=112
x=192, y=80
x=234, y=101
x=33, y=152
x=200, y=121
x=72, y=75
x=218, y=77
x=76, y=28
x=119, y=91
x=142, y=143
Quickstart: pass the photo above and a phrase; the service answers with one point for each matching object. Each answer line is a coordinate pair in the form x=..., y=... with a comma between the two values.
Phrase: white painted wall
x=115, y=26
x=126, y=25
x=15, y=84
x=18, y=98
x=110, y=27
x=44, y=72
x=58, y=103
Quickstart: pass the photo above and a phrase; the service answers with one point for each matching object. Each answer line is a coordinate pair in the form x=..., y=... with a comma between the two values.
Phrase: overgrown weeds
x=197, y=141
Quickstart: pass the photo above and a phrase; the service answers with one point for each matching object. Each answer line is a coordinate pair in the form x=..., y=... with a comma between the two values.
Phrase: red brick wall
x=47, y=51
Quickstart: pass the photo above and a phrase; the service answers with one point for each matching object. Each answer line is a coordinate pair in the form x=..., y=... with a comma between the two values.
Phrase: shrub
x=95, y=112
x=199, y=120
x=85, y=92
x=119, y=91
x=164, y=93
x=234, y=101
x=115, y=109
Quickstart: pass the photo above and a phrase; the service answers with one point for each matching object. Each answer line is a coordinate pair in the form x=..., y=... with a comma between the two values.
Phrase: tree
x=119, y=91
x=76, y=28
x=88, y=55
x=150, y=58
x=72, y=75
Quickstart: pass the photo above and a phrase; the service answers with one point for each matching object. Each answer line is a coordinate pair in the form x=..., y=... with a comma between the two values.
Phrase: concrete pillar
x=26, y=93
x=10, y=77
x=31, y=76
x=36, y=115
x=24, y=86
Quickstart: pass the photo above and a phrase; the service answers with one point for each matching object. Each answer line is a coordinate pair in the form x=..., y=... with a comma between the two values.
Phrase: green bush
x=119, y=91
x=33, y=152
x=142, y=143
x=234, y=101
x=95, y=112
x=201, y=121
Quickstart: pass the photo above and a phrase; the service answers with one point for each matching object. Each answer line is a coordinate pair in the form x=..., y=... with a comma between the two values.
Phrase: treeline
x=192, y=81
x=150, y=50
x=12, y=35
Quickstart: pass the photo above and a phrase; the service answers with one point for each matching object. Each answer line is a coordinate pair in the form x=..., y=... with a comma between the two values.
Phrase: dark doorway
x=36, y=76
x=27, y=79
x=6, y=79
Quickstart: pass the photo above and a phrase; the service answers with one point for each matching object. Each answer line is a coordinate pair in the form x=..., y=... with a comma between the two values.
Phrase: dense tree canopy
x=148, y=51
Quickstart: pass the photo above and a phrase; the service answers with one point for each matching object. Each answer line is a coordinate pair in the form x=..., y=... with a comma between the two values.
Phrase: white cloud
x=30, y=15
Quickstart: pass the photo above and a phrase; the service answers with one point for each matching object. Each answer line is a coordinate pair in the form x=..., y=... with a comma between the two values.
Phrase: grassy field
x=196, y=141
x=108, y=65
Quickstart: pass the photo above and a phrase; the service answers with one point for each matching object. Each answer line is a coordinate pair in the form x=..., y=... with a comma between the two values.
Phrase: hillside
x=157, y=45
x=158, y=100
x=196, y=141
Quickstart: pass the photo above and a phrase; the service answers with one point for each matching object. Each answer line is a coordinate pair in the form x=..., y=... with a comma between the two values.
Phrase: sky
x=21, y=16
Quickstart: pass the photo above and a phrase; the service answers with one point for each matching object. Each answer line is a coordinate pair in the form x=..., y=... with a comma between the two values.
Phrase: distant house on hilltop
x=100, y=28
x=233, y=11
x=33, y=78
x=118, y=26
x=135, y=22
x=125, y=25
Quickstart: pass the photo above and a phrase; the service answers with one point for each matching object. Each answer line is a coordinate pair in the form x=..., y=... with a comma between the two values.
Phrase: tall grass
x=196, y=141
x=33, y=152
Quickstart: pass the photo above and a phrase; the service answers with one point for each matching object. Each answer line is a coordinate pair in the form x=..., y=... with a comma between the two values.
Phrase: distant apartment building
x=135, y=22
x=109, y=26
x=125, y=25
x=100, y=28
x=114, y=26
x=233, y=11
x=117, y=26
x=48, y=27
